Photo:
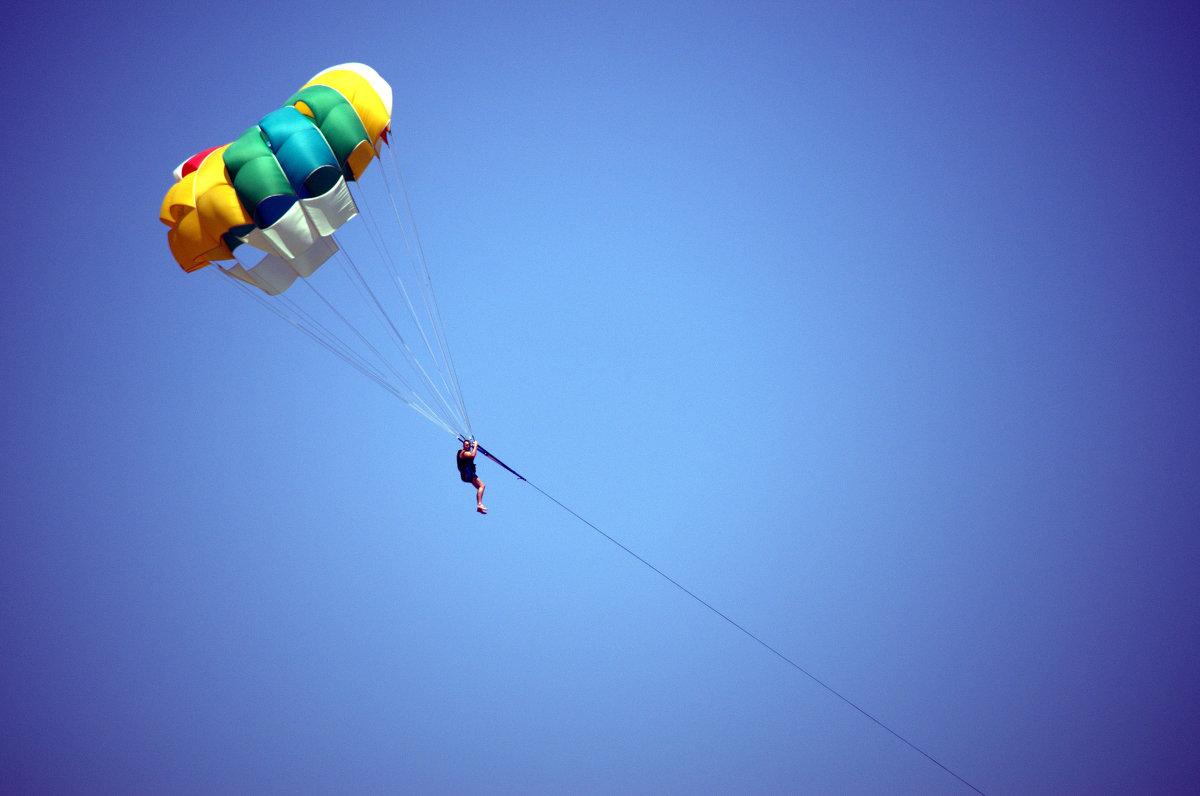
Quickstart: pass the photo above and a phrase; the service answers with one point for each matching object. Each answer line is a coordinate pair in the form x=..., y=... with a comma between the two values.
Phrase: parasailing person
x=466, y=472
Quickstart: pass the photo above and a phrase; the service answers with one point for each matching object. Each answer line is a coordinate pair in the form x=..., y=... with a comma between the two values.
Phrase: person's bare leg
x=482, y=509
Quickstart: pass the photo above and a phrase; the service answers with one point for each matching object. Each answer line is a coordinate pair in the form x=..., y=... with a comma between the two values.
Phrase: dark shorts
x=467, y=475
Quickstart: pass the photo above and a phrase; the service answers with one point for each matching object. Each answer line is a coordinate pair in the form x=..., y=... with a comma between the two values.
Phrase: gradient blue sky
x=874, y=324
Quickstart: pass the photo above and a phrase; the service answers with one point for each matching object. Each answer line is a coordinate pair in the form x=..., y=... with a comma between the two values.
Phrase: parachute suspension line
x=369, y=298
x=769, y=648
x=287, y=310
x=432, y=311
x=423, y=278
x=385, y=255
x=407, y=394
x=414, y=397
x=379, y=240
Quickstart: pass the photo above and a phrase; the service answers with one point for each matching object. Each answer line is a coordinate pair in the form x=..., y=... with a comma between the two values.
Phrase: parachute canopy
x=281, y=186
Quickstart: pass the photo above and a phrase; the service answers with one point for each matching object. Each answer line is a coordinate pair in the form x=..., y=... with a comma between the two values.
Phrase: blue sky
x=873, y=324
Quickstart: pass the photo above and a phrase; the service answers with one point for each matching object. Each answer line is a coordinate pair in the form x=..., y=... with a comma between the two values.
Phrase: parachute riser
x=484, y=451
